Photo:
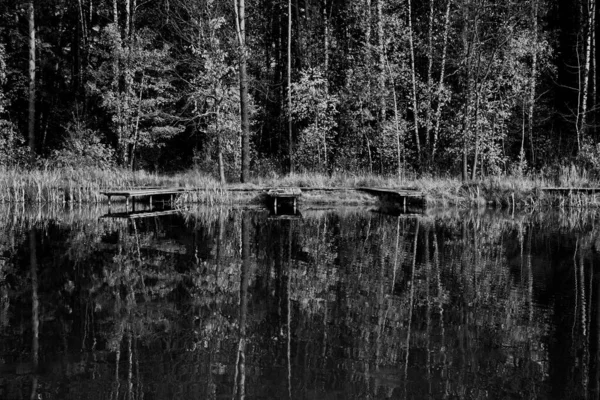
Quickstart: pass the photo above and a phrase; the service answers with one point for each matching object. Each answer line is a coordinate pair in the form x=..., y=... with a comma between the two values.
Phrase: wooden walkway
x=142, y=192
x=401, y=196
x=277, y=195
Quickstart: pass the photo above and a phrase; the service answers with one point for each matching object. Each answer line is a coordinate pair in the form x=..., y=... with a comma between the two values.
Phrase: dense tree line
x=474, y=87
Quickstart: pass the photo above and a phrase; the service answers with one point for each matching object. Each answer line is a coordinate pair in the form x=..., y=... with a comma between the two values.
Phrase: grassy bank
x=84, y=186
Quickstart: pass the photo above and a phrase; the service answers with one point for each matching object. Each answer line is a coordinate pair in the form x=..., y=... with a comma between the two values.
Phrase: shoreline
x=85, y=186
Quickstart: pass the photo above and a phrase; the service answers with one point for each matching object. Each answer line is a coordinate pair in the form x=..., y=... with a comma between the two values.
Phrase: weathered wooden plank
x=285, y=192
x=395, y=192
x=142, y=192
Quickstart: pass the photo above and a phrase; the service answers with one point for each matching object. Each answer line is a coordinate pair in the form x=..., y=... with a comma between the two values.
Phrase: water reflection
x=351, y=304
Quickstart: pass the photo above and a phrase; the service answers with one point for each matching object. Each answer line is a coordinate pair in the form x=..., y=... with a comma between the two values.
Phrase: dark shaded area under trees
x=471, y=87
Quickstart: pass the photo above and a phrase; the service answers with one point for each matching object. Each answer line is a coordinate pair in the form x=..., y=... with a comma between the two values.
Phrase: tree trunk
x=289, y=86
x=368, y=28
x=136, y=126
x=466, y=119
x=31, y=125
x=381, y=78
x=127, y=32
x=414, y=81
x=533, y=79
x=438, y=111
x=241, y=33
x=476, y=155
x=121, y=148
x=586, y=72
x=429, y=76
x=478, y=88
x=80, y=48
x=220, y=150
x=115, y=12
x=594, y=72
x=326, y=42
x=128, y=92
x=399, y=136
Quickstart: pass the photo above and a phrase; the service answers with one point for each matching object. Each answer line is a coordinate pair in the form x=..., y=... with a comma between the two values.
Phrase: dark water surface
x=340, y=304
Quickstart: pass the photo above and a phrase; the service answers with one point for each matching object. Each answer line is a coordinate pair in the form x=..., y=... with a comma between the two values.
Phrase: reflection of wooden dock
x=140, y=214
x=571, y=190
x=171, y=193
x=285, y=217
x=284, y=193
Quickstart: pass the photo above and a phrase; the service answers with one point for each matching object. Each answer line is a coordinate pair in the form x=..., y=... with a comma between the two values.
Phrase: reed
x=84, y=185
x=78, y=186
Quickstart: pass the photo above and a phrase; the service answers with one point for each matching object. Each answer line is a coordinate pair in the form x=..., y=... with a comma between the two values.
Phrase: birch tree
x=240, y=25
x=429, y=75
x=585, y=82
x=289, y=86
x=533, y=79
x=439, y=94
x=415, y=104
x=381, y=76
x=32, y=66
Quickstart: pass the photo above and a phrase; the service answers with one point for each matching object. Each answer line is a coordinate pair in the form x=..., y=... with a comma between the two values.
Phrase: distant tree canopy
x=471, y=87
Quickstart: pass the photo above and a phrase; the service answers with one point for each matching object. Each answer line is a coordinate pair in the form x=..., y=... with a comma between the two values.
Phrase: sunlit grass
x=85, y=186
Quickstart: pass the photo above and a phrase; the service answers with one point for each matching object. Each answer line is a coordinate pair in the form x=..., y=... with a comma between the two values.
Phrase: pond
x=352, y=303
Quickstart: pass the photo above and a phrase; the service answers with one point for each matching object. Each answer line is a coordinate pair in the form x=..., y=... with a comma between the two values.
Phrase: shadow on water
x=232, y=303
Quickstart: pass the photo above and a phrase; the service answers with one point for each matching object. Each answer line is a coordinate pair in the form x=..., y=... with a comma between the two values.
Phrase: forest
x=234, y=88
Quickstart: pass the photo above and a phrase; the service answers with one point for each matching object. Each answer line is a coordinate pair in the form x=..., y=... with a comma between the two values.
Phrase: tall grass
x=85, y=185
x=58, y=186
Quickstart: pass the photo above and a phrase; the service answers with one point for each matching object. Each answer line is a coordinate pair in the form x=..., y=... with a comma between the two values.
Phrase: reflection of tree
x=35, y=312
x=240, y=364
x=228, y=303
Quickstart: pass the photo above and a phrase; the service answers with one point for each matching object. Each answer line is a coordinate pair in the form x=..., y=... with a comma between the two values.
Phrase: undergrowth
x=69, y=185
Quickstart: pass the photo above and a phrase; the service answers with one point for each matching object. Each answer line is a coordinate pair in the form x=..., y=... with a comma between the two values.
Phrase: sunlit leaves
x=316, y=109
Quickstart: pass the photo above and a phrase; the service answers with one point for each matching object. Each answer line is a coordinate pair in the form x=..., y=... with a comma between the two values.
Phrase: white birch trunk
x=438, y=111
x=533, y=80
x=414, y=80
x=289, y=86
x=429, y=74
x=381, y=77
x=586, y=72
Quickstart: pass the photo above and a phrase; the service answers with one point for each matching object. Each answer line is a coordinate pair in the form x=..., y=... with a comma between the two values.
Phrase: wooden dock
x=403, y=196
x=290, y=193
x=143, y=192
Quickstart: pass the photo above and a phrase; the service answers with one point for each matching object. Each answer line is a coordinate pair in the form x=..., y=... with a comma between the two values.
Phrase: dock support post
x=275, y=205
x=150, y=202
x=294, y=205
x=126, y=203
x=404, y=204
x=108, y=201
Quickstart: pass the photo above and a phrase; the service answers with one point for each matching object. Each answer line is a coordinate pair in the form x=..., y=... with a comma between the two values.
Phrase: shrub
x=82, y=148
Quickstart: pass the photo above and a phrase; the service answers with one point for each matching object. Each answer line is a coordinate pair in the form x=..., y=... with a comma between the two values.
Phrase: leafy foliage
x=135, y=83
x=157, y=83
x=316, y=109
x=12, y=144
x=82, y=148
